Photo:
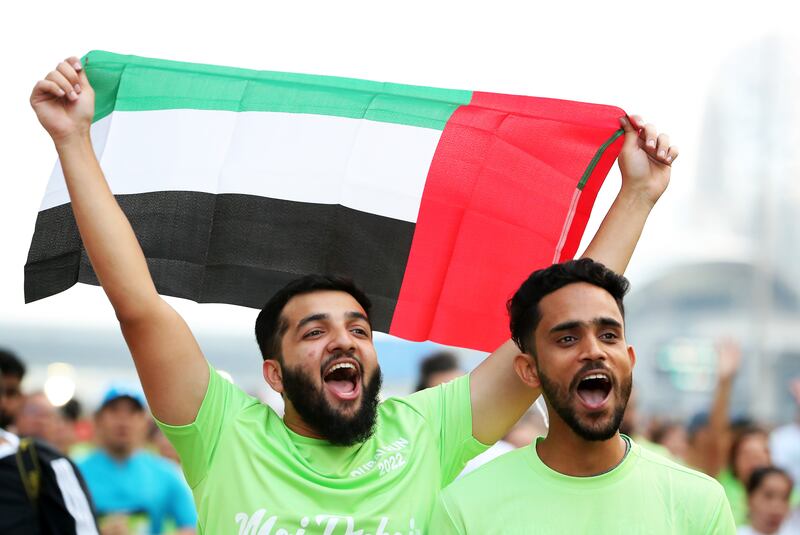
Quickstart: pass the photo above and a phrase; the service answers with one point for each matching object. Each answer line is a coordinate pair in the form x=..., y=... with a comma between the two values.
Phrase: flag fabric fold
x=437, y=202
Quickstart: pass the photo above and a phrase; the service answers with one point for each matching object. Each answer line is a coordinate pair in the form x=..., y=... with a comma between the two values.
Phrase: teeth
x=342, y=365
x=594, y=376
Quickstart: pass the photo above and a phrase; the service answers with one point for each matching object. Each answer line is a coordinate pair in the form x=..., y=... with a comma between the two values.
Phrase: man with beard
x=338, y=462
x=584, y=477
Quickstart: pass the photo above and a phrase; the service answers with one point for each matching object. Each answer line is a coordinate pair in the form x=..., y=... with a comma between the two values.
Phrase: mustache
x=337, y=355
x=590, y=367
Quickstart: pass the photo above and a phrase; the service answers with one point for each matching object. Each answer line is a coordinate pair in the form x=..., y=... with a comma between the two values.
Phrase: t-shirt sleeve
x=722, y=522
x=442, y=521
x=196, y=442
x=448, y=410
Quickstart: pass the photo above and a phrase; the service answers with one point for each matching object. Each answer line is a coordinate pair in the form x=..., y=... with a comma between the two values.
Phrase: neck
x=119, y=453
x=568, y=454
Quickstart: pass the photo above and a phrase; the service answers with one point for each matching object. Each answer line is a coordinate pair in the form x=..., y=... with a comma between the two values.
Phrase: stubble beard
x=605, y=427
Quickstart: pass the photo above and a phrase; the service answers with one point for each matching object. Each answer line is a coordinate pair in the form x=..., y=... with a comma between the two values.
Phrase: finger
x=74, y=62
x=627, y=127
x=63, y=83
x=672, y=153
x=48, y=87
x=638, y=122
x=83, y=80
x=648, y=135
x=69, y=73
x=662, y=147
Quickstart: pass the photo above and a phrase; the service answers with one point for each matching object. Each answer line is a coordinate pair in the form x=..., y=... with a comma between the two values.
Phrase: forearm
x=107, y=235
x=616, y=239
x=499, y=397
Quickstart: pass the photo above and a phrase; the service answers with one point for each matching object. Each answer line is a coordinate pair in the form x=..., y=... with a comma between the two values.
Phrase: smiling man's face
x=584, y=365
x=330, y=372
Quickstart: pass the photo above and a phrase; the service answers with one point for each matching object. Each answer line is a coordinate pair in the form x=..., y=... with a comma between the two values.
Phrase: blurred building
x=675, y=321
x=742, y=229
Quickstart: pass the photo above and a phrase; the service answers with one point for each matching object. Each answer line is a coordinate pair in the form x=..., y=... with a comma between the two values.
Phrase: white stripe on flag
x=370, y=166
x=74, y=497
x=573, y=206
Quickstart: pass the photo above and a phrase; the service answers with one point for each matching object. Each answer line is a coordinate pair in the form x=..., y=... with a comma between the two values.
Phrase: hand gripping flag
x=437, y=202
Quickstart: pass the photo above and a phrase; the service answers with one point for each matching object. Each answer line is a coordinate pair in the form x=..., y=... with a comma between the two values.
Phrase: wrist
x=633, y=198
x=77, y=140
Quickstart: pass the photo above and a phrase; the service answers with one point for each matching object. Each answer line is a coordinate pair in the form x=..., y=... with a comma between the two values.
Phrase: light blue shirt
x=144, y=486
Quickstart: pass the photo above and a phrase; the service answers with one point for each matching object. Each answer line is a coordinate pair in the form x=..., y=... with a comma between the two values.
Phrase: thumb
x=627, y=127
x=631, y=125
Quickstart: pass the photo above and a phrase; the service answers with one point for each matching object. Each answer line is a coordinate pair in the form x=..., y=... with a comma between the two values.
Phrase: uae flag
x=437, y=202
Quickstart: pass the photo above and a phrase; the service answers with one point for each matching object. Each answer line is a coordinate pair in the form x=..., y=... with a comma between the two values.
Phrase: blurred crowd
x=132, y=473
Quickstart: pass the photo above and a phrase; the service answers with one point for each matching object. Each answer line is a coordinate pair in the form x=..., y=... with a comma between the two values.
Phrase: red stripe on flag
x=494, y=208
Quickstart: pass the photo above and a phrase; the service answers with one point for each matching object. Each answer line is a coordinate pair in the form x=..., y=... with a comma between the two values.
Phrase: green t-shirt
x=737, y=495
x=518, y=494
x=251, y=475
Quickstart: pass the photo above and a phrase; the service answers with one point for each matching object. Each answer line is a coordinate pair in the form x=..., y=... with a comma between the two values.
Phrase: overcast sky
x=653, y=58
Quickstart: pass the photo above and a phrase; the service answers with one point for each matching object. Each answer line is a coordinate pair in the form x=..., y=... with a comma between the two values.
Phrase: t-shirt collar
x=588, y=482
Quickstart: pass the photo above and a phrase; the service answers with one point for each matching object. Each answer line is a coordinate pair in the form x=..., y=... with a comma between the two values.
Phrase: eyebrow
x=354, y=315
x=570, y=325
x=313, y=317
x=322, y=316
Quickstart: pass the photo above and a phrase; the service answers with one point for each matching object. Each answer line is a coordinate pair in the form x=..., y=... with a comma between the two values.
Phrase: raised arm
x=715, y=456
x=498, y=396
x=171, y=366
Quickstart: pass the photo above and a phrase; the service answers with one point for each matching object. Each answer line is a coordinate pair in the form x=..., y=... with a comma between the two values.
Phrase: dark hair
x=523, y=307
x=271, y=325
x=441, y=361
x=11, y=365
x=71, y=410
x=739, y=438
x=760, y=474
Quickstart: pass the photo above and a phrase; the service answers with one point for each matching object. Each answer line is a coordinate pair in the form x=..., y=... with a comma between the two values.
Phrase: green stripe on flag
x=131, y=83
x=597, y=155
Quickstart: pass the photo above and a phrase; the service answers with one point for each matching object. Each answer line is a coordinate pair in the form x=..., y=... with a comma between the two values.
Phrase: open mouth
x=594, y=390
x=343, y=379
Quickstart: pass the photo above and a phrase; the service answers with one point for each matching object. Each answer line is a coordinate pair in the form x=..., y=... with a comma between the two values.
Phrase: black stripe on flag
x=233, y=248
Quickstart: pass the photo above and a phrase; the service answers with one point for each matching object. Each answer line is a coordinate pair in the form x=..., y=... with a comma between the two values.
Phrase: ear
x=273, y=374
x=525, y=366
x=632, y=356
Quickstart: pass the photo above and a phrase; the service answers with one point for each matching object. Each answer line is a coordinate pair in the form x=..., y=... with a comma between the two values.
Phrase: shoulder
x=92, y=459
x=688, y=482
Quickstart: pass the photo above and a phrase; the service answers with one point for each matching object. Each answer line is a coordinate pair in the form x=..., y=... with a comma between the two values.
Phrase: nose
x=592, y=349
x=341, y=340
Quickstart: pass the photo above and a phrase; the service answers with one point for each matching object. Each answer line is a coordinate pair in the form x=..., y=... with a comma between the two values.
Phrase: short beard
x=315, y=410
x=559, y=400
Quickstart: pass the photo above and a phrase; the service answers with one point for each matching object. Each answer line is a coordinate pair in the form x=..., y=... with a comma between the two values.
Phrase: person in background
x=631, y=426
x=134, y=490
x=41, y=491
x=748, y=452
x=674, y=437
x=67, y=436
x=784, y=441
x=12, y=371
x=438, y=368
x=38, y=418
x=710, y=433
x=533, y=424
x=768, y=491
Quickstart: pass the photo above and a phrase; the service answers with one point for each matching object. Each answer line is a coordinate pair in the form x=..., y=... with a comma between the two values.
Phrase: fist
x=64, y=101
